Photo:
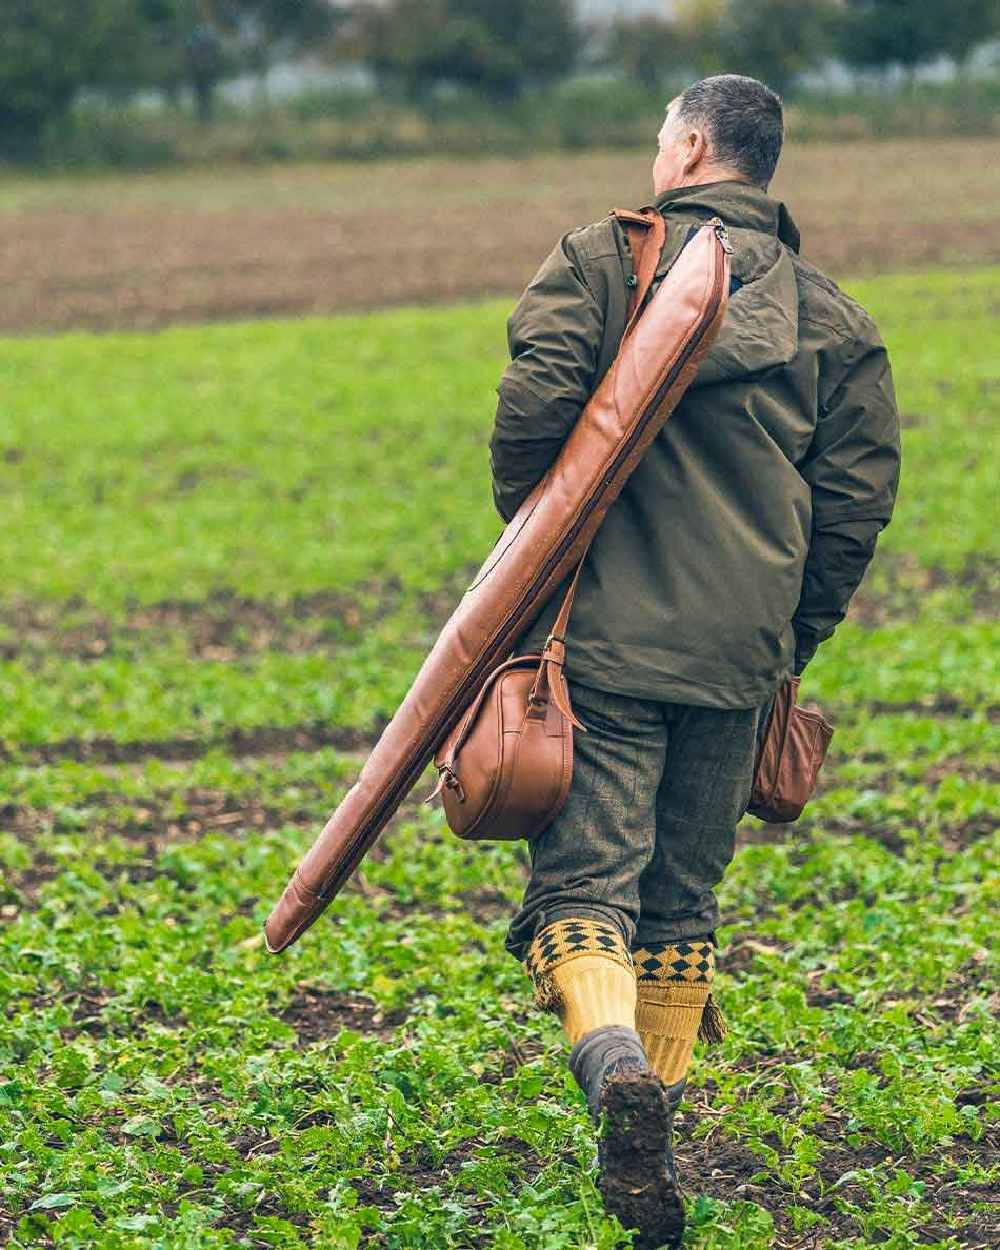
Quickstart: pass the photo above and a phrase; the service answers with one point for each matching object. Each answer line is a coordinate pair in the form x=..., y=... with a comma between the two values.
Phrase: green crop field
x=224, y=553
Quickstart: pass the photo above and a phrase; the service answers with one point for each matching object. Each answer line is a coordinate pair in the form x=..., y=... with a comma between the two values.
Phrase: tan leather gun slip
x=663, y=346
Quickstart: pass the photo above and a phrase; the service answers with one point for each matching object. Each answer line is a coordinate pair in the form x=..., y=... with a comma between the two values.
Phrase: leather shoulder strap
x=562, y=620
x=646, y=232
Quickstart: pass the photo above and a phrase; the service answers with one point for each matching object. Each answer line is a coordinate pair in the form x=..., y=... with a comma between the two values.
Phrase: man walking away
x=731, y=553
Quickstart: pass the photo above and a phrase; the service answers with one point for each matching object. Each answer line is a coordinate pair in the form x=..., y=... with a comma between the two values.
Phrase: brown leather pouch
x=791, y=754
x=505, y=770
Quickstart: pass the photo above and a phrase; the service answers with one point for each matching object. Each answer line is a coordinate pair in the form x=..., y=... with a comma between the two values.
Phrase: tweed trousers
x=649, y=825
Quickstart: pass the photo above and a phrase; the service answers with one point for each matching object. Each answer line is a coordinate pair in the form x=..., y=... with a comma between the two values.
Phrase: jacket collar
x=738, y=204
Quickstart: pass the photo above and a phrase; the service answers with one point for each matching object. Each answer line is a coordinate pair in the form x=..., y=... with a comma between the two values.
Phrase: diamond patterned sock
x=582, y=970
x=675, y=1005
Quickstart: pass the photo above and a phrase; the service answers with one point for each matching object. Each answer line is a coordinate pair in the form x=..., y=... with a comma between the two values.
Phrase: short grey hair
x=743, y=120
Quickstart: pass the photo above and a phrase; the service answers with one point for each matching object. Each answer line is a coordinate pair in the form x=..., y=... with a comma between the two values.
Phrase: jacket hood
x=738, y=204
x=761, y=327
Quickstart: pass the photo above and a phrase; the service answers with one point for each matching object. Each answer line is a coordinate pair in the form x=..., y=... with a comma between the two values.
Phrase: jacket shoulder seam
x=842, y=302
x=845, y=335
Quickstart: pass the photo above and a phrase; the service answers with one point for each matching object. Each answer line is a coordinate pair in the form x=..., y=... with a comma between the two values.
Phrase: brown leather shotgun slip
x=663, y=346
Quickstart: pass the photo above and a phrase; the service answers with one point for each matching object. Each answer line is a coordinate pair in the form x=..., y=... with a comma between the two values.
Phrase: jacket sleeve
x=554, y=335
x=852, y=468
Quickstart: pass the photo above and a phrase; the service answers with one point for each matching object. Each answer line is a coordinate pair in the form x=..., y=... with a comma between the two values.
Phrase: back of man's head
x=743, y=122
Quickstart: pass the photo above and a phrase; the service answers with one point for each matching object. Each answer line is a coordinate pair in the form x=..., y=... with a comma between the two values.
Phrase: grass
x=226, y=553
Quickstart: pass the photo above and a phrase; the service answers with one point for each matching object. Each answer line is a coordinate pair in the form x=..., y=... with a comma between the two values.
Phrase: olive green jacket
x=735, y=546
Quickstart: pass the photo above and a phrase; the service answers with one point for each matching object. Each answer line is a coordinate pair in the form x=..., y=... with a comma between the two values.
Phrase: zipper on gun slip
x=723, y=234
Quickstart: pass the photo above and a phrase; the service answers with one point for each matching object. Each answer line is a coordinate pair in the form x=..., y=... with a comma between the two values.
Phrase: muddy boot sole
x=634, y=1181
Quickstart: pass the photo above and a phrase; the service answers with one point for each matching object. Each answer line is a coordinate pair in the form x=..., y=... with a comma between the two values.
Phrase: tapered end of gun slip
x=294, y=912
x=660, y=355
x=328, y=864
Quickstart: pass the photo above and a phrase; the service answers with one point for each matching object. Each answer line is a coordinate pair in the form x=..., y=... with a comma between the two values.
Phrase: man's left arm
x=554, y=335
x=853, y=470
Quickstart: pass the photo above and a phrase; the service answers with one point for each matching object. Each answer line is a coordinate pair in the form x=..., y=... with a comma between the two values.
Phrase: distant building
x=590, y=9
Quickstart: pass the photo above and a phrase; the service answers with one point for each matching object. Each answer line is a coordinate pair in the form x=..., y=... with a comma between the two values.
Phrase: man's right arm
x=554, y=335
x=852, y=468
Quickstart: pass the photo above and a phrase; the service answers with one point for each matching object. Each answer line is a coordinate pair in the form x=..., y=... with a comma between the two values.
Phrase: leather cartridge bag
x=661, y=351
x=505, y=769
x=792, y=750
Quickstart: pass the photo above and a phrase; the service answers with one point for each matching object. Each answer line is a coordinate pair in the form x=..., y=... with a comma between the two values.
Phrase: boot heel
x=636, y=1182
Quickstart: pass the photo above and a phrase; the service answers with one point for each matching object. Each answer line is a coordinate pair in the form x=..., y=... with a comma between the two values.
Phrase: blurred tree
x=269, y=29
x=185, y=46
x=774, y=40
x=49, y=51
x=203, y=56
x=777, y=40
x=700, y=25
x=498, y=49
x=966, y=26
x=198, y=42
x=649, y=49
x=877, y=34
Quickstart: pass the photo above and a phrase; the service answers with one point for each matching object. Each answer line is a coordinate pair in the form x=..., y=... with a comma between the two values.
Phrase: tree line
x=51, y=51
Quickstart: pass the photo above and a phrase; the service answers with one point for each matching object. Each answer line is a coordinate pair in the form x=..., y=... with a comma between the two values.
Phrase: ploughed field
x=225, y=552
x=140, y=251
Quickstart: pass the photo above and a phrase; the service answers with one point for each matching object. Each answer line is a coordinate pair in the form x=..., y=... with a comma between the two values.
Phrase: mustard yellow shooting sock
x=675, y=1005
x=582, y=970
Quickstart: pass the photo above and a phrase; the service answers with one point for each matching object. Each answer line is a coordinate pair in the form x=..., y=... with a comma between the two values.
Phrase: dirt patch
x=205, y=811
x=487, y=904
x=763, y=834
x=155, y=825
x=154, y=820
x=88, y=1012
x=242, y=1222
x=319, y=1014
x=742, y=954
x=826, y=996
x=21, y=885
x=262, y=740
x=954, y=836
x=521, y=1051
x=940, y=706
x=421, y=1172
x=727, y=1169
x=119, y=252
x=964, y=990
x=222, y=627
x=904, y=584
x=729, y=1172
x=955, y=766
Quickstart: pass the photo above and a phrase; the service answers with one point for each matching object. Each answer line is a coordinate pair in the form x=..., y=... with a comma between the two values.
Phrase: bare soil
x=725, y=1169
x=222, y=626
x=904, y=584
x=317, y=1014
x=141, y=251
x=225, y=626
x=263, y=740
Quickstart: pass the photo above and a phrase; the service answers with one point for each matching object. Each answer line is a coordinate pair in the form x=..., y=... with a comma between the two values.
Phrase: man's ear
x=697, y=149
